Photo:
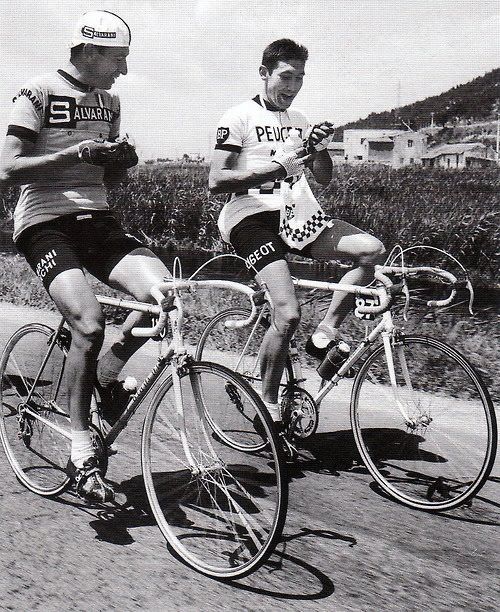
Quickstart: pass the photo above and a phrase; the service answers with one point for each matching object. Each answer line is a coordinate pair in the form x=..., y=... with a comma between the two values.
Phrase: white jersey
x=56, y=111
x=256, y=131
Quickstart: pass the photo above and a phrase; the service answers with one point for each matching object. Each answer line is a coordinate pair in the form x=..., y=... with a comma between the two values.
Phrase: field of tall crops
x=455, y=210
x=458, y=211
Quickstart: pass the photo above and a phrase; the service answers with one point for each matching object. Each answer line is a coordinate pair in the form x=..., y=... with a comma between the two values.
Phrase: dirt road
x=345, y=546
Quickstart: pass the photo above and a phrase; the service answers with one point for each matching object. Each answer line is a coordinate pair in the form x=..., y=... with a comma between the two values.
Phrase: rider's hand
x=114, y=155
x=292, y=161
x=96, y=152
x=320, y=136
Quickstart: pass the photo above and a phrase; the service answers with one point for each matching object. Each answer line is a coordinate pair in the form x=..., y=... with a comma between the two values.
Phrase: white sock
x=81, y=447
x=320, y=339
x=324, y=334
x=274, y=410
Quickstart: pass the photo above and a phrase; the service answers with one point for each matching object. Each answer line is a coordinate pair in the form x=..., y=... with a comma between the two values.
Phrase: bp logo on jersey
x=222, y=134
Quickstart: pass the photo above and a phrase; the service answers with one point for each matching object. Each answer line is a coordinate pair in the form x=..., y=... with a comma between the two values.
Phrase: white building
x=391, y=147
x=460, y=155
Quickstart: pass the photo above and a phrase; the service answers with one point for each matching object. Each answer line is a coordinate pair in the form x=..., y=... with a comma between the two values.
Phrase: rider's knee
x=372, y=251
x=143, y=294
x=88, y=330
x=286, y=318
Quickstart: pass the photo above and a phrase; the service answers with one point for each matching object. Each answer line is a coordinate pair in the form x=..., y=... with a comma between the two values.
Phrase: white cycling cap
x=101, y=28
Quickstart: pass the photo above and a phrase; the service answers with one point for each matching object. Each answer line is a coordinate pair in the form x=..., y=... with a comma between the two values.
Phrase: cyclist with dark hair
x=271, y=210
x=62, y=147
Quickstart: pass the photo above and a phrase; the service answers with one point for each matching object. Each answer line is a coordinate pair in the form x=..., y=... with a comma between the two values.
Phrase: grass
x=453, y=210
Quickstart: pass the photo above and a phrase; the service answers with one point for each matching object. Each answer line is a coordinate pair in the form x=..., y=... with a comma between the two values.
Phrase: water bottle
x=335, y=357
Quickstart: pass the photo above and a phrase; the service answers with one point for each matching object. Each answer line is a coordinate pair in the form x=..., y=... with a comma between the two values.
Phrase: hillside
x=469, y=104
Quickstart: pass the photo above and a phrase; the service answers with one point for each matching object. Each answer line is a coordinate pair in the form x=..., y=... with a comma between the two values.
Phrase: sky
x=190, y=60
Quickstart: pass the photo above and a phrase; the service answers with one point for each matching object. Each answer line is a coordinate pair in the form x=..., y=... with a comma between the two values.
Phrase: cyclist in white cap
x=63, y=148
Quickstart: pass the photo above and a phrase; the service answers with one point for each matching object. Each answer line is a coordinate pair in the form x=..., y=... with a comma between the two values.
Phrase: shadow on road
x=113, y=525
x=480, y=511
x=336, y=451
x=291, y=565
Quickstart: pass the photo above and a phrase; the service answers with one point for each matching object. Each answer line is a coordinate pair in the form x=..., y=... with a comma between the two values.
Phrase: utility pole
x=496, y=108
x=498, y=137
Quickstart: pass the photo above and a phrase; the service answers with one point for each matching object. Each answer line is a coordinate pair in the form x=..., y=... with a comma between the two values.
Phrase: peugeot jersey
x=56, y=111
x=256, y=130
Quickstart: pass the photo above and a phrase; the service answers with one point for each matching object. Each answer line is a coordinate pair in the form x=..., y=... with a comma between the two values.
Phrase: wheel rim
x=437, y=454
x=37, y=453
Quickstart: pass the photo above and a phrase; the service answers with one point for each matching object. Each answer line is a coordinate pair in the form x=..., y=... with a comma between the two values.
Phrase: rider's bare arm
x=18, y=164
x=224, y=179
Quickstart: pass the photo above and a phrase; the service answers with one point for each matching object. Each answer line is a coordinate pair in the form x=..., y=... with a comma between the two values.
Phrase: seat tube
x=294, y=358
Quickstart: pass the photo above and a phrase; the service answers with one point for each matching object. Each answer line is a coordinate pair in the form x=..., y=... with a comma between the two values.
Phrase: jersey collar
x=75, y=82
x=261, y=101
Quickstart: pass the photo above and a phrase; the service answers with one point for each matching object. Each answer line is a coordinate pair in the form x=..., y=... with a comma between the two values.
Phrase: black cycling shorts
x=94, y=241
x=257, y=240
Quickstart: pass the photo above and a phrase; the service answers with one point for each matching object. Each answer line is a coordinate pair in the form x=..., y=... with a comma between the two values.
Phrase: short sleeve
x=26, y=117
x=230, y=132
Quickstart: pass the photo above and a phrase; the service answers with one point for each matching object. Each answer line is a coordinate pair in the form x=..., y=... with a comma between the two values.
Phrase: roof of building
x=381, y=139
x=451, y=149
x=337, y=146
x=375, y=131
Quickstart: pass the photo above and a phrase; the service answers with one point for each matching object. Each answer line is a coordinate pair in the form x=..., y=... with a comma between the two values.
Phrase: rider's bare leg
x=285, y=318
x=135, y=274
x=346, y=241
x=77, y=303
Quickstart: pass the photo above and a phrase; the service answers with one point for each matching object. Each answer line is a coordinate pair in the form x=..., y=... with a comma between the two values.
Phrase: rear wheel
x=35, y=432
x=429, y=440
x=220, y=506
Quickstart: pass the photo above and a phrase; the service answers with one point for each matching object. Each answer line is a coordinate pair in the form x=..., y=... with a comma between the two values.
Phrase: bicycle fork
x=196, y=466
x=394, y=348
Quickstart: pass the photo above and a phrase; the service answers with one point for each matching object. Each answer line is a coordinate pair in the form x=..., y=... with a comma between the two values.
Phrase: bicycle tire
x=37, y=453
x=222, y=510
x=436, y=450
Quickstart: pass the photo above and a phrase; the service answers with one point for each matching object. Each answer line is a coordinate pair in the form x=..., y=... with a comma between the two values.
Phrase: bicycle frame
x=385, y=328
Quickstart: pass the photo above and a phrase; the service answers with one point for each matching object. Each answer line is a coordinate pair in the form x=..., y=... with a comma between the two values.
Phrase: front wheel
x=220, y=506
x=427, y=437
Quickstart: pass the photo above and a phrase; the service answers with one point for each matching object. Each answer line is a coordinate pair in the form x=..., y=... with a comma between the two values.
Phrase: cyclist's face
x=107, y=65
x=283, y=83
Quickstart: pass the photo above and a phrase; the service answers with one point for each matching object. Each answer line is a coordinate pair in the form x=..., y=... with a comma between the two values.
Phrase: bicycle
x=423, y=421
x=221, y=507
